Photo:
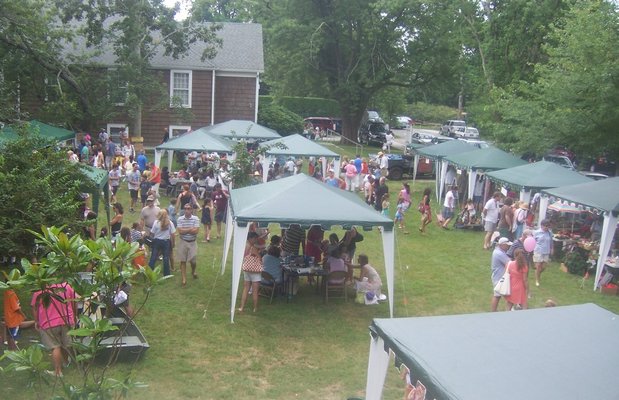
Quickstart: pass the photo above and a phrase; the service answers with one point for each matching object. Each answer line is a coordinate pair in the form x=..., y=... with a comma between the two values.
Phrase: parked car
x=423, y=138
x=402, y=122
x=467, y=132
x=563, y=161
x=480, y=144
x=449, y=127
x=372, y=133
x=372, y=116
x=440, y=139
x=401, y=165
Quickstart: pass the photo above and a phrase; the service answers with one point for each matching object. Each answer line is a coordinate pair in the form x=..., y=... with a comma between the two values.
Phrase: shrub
x=305, y=106
x=280, y=119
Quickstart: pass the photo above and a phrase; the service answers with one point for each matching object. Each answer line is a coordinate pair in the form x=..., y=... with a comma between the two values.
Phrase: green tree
x=38, y=186
x=575, y=101
x=350, y=50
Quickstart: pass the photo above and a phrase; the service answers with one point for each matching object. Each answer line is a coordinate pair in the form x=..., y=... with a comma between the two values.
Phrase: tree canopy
x=38, y=187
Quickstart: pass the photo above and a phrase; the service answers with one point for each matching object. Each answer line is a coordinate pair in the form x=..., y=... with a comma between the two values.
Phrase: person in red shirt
x=155, y=177
x=14, y=318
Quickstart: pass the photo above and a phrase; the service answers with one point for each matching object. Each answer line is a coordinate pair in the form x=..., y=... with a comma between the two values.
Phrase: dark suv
x=372, y=132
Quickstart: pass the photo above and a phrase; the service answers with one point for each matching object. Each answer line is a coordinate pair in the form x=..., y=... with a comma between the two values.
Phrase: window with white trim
x=118, y=89
x=114, y=130
x=180, y=88
x=177, y=130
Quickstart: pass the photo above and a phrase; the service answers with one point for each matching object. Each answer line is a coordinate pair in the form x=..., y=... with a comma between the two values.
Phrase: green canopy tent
x=303, y=200
x=437, y=153
x=532, y=354
x=536, y=176
x=240, y=129
x=295, y=146
x=597, y=196
x=100, y=177
x=198, y=140
x=51, y=132
x=488, y=159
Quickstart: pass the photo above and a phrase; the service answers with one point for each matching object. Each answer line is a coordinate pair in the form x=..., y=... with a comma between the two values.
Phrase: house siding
x=235, y=98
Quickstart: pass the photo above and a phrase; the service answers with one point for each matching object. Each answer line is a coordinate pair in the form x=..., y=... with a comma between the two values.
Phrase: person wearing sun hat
x=497, y=265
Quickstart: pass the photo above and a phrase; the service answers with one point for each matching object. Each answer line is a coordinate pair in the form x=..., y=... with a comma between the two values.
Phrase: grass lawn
x=307, y=349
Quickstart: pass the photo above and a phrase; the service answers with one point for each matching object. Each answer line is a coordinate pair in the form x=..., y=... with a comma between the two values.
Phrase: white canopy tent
x=296, y=146
x=278, y=202
x=597, y=196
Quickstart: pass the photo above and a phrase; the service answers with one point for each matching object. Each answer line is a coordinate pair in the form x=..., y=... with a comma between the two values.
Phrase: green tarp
x=548, y=353
x=238, y=129
x=537, y=176
x=297, y=146
x=602, y=195
x=198, y=140
x=287, y=201
x=441, y=150
x=488, y=159
x=36, y=127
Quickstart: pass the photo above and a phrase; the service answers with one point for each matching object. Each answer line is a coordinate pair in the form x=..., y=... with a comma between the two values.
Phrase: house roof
x=241, y=51
x=538, y=175
x=500, y=355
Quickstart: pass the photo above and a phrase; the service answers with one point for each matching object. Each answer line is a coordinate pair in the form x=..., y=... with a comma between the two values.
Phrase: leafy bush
x=576, y=263
x=279, y=118
x=305, y=106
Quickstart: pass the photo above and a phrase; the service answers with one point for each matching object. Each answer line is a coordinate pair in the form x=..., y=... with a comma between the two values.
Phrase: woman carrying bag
x=252, y=271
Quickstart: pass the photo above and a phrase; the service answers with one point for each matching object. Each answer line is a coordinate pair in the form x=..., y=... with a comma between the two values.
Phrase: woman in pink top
x=54, y=316
x=350, y=176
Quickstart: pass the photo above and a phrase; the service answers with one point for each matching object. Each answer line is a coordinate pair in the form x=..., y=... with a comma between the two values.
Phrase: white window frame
x=120, y=126
x=125, y=86
x=181, y=71
x=172, y=128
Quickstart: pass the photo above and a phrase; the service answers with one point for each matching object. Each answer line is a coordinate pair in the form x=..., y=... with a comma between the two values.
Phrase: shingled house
x=216, y=90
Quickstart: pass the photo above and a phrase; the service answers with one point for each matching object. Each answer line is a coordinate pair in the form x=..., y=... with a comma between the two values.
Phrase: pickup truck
x=401, y=165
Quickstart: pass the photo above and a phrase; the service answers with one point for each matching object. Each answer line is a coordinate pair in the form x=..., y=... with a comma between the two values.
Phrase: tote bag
x=252, y=264
x=503, y=287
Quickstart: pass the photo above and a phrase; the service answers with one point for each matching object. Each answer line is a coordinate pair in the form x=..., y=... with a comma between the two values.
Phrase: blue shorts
x=14, y=332
x=447, y=213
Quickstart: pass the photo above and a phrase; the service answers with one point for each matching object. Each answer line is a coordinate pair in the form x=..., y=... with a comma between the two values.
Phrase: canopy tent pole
x=227, y=237
x=377, y=369
x=238, y=250
x=472, y=181
x=336, y=166
x=437, y=179
x=323, y=160
x=444, y=165
x=608, y=232
x=388, y=250
x=157, y=157
x=170, y=159
x=266, y=161
x=543, y=206
x=415, y=165
x=525, y=195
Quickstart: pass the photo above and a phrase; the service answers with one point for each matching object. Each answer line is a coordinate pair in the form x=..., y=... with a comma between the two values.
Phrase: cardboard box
x=610, y=290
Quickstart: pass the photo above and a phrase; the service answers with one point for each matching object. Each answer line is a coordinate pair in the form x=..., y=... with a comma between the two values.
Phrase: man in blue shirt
x=142, y=161
x=497, y=265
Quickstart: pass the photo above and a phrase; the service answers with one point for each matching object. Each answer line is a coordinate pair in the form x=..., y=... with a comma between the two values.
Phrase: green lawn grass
x=307, y=349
